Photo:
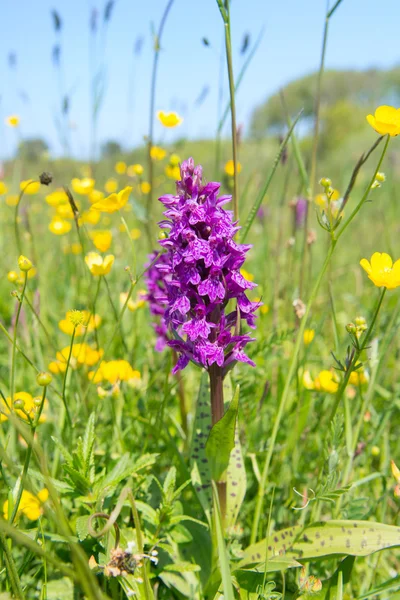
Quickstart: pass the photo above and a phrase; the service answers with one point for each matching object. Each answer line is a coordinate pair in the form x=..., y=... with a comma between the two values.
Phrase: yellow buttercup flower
x=82, y=354
x=135, y=233
x=27, y=408
x=145, y=187
x=30, y=505
x=12, y=199
x=59, y=226
x=102, y=240
x=230, y=168
x=359, y=377
x=96, y=195
x=90, y=216
x=308, y=336
x=386, y=120
x=173, y=172
x=157, y=153
x=110, y=186
x=248, y=276
x=83, y=186
x=135, y=169
x=74, y=248
x=326, y=382
x=89, y=322
x=114, y=371
x=30, y=187
x=133, y=305
x=3, y=188
x=12, y=121
x=99, y=265
x=56, y=198
x=174, y=160
x=171, y=119
x=381, y=270
x=65, y=211
x=120, y=167
x=113, y=202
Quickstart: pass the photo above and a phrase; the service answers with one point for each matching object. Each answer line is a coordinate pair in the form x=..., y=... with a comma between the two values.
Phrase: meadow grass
x=120, y=478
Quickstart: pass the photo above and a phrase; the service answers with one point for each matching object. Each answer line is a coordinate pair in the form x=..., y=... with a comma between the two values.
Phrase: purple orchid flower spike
x=202, y=287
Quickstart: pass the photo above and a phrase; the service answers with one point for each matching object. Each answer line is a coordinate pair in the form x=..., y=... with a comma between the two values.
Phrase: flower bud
x=325, y=182
x=12, y=276
x=45, y=178
x=24, y=264
x=37, y=402
x=351, y=328
x=375, y=451
x=43, y=379
x=380, y=177
x=19, y=404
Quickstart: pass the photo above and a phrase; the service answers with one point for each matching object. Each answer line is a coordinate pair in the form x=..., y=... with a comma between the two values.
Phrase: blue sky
x=360, y=36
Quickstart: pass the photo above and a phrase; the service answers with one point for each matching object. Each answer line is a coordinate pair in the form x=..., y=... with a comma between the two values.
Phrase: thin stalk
x=293, y=364
x=132, y=243
x=16, y=215
x=356, y=357
x=285, y=395
x=12, y=569
x=14, y=343
x=47, y=334
x=367, y=191
x=116, y=328
x=65, y=377
x=217, y=412
x=182, y=398
x=314, y=152
x=157, y=47
x=228, y=49
x=25, y=357
x=27, y=460
x=115, y=313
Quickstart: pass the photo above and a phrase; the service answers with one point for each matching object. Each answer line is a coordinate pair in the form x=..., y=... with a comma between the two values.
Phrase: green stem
x=12, y=569
x=48, y=336
x=14, y=343
x=16, y=215
x=367, y=191
x=115, y=313
x=28, y=360
x=149, y=207
x=65, y=377
x=356, y=357
x=124, y=223
x=314, y=154
x=285, y=396
x=228, y=49
x=27, y=460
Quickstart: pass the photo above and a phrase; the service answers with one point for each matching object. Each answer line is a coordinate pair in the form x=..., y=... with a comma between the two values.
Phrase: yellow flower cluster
x=82, y=354
x=89, y=322
x=30, y=505
x=25, y=407
x=114, y=371
x=324, y=382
